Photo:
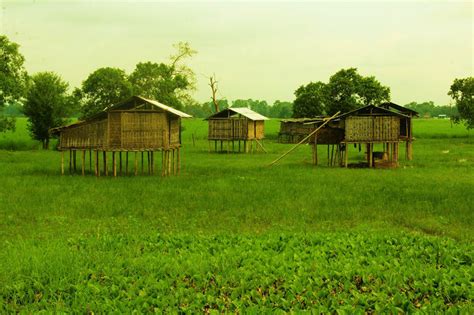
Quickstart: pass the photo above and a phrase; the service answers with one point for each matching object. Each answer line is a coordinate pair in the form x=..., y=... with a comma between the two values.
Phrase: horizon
x=262, y=51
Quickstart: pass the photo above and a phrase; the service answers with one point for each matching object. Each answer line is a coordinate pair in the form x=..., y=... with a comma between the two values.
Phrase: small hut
x=136, y=125
x=236, y=125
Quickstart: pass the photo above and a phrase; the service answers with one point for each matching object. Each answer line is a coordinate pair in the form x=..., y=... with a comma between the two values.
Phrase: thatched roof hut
x=236, y=124
x=137, y=124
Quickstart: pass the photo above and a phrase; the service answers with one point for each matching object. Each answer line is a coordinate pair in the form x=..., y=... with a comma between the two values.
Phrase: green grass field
x=231, y=234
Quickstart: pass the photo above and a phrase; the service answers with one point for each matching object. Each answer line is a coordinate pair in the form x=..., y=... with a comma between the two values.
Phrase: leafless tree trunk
x=213, y=85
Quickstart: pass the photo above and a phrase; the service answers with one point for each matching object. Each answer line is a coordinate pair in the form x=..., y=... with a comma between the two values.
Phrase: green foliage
x=310, y=100
x=104, y=87
x=46, y=105
x=462, y=91
x=13, y=78
x=348, y=90
x=429, y=109
x=281, y=109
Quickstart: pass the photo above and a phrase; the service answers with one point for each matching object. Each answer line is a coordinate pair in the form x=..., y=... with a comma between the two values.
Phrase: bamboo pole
x=90, y=160
x=305, y=138
x=74, y=160
x=316, y=149
x=178, y=161
x=126, y=163
x=106, y=169
x=142, y=162
x=62, y=162
x=174, y=163
x=346, y=154
x=97, y=167
x=169, y=162
x=83, y=164
x=162, y=162
x=136, y=163
x=70, y=161
x=114, y=162
x=120, y=162
x=261, y=145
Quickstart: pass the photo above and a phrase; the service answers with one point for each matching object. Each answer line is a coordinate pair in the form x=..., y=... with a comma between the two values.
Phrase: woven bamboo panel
x=260, y=130
x=92, y=135
x=144, y=131
x=175, y=130
x=228, y=129
x=372, y=128
x=115, y=129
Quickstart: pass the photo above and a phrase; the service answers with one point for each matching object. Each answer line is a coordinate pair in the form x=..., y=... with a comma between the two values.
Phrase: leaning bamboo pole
x=305, y=139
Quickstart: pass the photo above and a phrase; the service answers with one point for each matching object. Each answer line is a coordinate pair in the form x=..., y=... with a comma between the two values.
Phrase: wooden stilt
x=174, y=163
x=409, y=150
x=239, y=146
x=371, y=155
x=148, y=162
x=90, y=161
x=114, y=162
x=316, y=149
x=120, y=162
x=70, y=161
x=83, y=164
x=396, y=146
x=178, y=161
x=62, y=162
x=126, y=163
x=97, y=167
x=329, y=160
x=169, y=162
x=136, y=163
x=162, y=162
x=142, y=161
x=346, y=154
x=106, y=169
x=152, y=162
x=74, y=160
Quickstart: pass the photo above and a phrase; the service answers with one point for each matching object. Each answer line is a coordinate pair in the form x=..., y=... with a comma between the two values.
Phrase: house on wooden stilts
x=236, y=129
x=137, y=126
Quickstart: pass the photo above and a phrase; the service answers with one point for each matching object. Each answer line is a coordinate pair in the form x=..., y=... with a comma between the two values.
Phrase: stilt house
x=236, y=125
x=137, y=125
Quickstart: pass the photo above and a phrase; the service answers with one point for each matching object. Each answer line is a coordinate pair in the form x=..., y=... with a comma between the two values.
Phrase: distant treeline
x=279, y=109
x=429, y=109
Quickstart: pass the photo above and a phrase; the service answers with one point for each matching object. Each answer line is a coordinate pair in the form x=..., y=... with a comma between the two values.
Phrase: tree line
x=48, y=102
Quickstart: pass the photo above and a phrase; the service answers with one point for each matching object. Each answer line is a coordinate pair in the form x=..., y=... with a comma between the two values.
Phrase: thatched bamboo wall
x=125, y=130
x=372, y=128
x=235, y=129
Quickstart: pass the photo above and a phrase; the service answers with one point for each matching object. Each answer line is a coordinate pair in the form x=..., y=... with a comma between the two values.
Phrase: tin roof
x=244, y=111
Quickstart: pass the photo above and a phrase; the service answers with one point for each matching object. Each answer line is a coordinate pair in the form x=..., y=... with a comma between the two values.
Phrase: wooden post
x=178, y=160
x=152, y=162
x=136, y=163
x=90, y=160
x=316, y=149
x=346, y=154
x=396, y=146
x=329, y=160
x=142, y=162
x=104, y=156
x=114, y=162
x=83, y=164
x=120, y=162
x=148, y=161
x=74, y=160
x=162, y=162
x=169, y=162
x=126, y=163
x=371, y=155
x=62, y=162
x=70, y=161
x=409, y=150
x=174, y=163
x=97, y=167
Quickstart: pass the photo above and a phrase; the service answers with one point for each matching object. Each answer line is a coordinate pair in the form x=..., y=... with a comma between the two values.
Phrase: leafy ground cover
x=231, y=234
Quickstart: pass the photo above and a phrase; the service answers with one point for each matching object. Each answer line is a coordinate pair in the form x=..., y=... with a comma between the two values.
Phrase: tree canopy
x=46, y=105
x=462, y=91
x=13, y=78
x=310, y=100
x=346, y=90
x=102, y=88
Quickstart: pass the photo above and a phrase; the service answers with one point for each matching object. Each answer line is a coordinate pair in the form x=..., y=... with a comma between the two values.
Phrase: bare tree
x=213, y=85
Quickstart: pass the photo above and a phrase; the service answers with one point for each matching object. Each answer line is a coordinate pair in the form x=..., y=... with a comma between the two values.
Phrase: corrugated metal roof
x=165, y=107
x=247, y=112
x=244, y=111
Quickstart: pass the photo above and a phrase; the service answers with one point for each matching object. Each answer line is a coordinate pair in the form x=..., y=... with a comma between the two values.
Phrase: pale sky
x=261, y=50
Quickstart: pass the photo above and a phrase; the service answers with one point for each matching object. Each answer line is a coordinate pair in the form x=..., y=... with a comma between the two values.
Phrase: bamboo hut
x=386, y=126
x=234, y=127
x=138, y=125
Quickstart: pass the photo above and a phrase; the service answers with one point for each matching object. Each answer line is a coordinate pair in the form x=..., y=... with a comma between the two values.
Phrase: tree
x=104, y=87
x=281, y=109
x=213, y=85
x=13, y=78
x=46, y=105
x=310, y=100
x=348, y=90
x=167, y=83
x=462, y=91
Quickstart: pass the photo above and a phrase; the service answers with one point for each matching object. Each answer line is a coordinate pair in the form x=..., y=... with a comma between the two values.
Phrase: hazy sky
x=260, y=50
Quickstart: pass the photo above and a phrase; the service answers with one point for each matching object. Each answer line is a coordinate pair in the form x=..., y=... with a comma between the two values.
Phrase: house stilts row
x=138, y=125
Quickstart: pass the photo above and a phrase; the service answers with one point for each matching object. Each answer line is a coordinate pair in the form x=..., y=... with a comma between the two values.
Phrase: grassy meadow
x=231, y=234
